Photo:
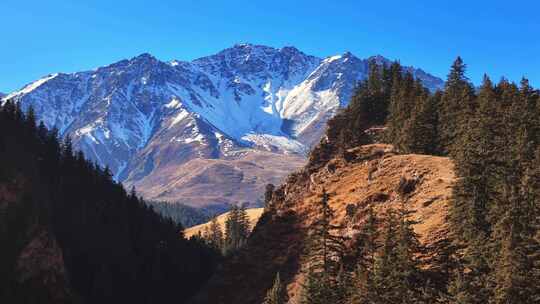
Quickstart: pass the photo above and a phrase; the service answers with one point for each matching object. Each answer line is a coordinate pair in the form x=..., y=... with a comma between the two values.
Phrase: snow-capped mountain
x=147, y=119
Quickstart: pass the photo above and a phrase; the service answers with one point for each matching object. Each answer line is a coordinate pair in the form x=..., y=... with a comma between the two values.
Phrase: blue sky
x=494, y=37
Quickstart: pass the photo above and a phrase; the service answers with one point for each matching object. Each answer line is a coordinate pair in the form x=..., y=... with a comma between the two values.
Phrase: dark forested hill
x=70, y=234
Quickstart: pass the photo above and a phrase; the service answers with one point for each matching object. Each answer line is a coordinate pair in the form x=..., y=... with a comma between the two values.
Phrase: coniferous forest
x=232, y=236
x=183, y=214
x=71, y=234
x=493, y=249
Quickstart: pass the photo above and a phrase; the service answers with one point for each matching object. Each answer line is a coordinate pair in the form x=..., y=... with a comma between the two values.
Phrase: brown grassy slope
x=254, y=214
x=204, y=182
x=370, y=179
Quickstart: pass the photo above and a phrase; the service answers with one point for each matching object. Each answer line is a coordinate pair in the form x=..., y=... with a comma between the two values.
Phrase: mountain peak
x=144, y=57
x=242, y=45
x=290, y=49
x=380, y=60
x=247, y=47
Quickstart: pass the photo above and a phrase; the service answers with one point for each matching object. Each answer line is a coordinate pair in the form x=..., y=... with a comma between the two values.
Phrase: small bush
x=406, y=186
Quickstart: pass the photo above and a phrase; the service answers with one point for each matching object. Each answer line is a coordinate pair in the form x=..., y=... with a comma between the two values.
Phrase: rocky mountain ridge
x=150, y=120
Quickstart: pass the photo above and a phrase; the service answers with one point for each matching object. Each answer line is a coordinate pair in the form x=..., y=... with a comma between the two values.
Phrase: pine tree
x=325, y=250
x=275, y=294
x=358, y=116
x=232, y=231
x=236, y=229
x=384, y=276
x=456, y=107
x=30, y=119
x=344, y=287
x=268, y=193
x=397, y=274
x=474, y=194
x=420, y=131
x=245, y=226
x=215, y=236
x=476, y=164
x=315, y=290
x=402, y=101
x=460, y=290
x=517, y=262
x=515, y=270
x=408, y=250
x=478, y=157
x=366, y=248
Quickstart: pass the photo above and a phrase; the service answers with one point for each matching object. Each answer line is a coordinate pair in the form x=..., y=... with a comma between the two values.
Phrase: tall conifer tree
x=456, y=107
x=275, y=294
x=324, y=253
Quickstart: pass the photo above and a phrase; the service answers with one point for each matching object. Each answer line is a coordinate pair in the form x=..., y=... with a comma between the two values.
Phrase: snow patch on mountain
x=32, y=86
x=275, y=143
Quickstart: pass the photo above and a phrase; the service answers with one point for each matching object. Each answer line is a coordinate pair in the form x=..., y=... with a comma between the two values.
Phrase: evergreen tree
x=516, y=217
x=516, y=270
x=366, y=248
x=476, y=165
x=420, y=131
x=325, y=250
x=408, y=250
x=460, y=290
x=236, y=229
x=401, y=104
x=397, y=274
x=275, y=294
x=268, y=193
x=384, y=277
x=215, y=236
x=344, y=287
x=474, y=194
x=315, y=290
x=456, y=107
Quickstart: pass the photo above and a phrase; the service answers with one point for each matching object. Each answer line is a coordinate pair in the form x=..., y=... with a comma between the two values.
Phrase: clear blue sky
x=494, y=37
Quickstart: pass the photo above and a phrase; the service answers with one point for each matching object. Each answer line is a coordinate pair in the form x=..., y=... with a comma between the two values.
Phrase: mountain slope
x=253, y=214
x=370, y=179
x=143, y=117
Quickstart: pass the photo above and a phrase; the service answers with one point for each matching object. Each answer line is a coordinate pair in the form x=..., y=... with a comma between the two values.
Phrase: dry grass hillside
x=204, y=182
x=254, y=214
x=371, y=177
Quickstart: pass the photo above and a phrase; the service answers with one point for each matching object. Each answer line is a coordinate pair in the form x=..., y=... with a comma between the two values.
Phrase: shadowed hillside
x=71, y=234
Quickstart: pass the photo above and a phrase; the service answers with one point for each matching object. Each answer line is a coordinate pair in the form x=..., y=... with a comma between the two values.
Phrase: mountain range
x=211, y=131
